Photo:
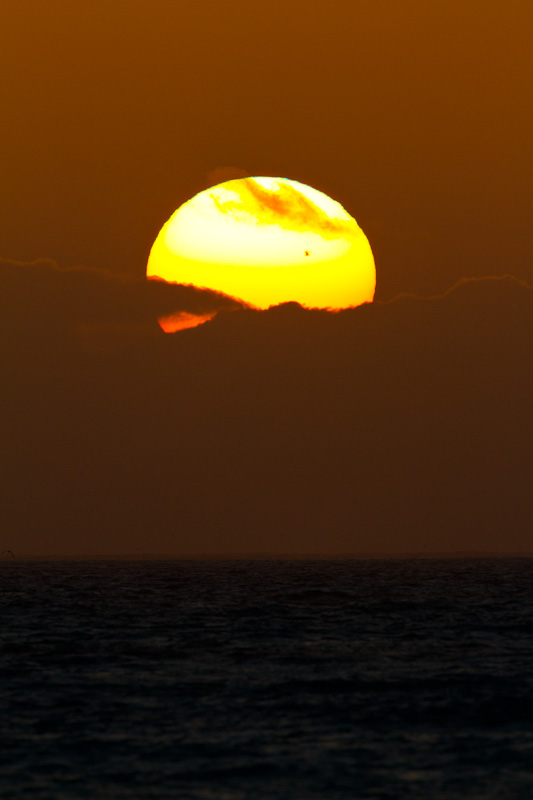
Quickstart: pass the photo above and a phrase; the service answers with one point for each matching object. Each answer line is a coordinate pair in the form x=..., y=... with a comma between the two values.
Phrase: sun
x=265, y=241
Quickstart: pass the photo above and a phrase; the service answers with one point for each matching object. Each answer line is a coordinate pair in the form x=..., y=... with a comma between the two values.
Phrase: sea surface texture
x=274, y=679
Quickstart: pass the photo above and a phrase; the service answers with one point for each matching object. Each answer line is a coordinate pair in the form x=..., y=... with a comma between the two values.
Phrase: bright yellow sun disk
x=266, y=241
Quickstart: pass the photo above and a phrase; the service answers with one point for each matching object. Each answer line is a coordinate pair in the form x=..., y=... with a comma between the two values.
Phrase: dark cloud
x=392, y=427
x=103, y=308
x=223, y=174
x=85, y=295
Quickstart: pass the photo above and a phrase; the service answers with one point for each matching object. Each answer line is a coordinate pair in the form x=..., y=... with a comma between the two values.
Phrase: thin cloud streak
x=287, y=203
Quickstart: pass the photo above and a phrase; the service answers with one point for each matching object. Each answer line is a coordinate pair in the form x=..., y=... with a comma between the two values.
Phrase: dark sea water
x=273, y=679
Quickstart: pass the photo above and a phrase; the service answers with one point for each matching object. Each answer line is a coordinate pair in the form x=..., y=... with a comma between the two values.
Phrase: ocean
x=286, y=679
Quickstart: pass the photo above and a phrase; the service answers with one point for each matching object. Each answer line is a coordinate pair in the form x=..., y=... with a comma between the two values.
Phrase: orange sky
x=414, y=115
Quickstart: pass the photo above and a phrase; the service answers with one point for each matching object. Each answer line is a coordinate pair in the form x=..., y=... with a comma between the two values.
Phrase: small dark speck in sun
x=307, y=252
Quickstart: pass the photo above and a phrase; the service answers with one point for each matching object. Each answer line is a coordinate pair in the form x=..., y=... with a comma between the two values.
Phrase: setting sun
x=265, y=241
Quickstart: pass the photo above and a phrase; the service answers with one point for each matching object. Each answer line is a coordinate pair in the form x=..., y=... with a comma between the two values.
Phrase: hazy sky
x=402, y=425
x=415, y=115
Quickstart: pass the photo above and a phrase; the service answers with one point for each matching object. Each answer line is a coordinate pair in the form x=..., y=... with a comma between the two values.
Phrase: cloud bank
x=393, y=427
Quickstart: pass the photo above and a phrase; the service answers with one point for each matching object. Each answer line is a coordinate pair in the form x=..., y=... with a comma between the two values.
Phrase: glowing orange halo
x=266, y=241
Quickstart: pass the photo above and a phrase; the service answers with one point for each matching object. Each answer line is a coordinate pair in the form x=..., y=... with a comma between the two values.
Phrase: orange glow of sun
x=265, y=241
